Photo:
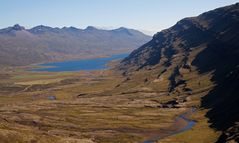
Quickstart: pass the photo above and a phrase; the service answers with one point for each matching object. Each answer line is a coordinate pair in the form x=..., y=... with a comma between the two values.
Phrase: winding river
x=181, y=118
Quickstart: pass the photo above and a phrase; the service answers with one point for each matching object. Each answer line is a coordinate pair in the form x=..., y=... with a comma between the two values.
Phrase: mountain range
x=20, y=46
x=197, y=57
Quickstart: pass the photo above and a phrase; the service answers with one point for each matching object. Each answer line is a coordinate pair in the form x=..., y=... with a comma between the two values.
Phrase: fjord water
x=78, y=65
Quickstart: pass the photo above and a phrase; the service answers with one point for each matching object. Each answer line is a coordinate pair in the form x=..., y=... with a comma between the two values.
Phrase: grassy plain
x=89, y=107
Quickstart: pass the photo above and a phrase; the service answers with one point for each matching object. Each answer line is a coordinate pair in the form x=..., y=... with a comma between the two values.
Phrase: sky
x=149, y=16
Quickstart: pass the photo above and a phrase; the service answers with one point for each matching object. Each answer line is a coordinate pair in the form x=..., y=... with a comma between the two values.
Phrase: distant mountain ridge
x=21, y=46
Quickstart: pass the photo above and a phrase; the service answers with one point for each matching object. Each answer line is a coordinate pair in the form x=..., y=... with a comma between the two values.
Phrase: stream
x=183, y=117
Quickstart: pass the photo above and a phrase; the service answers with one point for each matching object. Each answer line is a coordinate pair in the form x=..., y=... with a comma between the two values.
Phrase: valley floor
x=91, y=107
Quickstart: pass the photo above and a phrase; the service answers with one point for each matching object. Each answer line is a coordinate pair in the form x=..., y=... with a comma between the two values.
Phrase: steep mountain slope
x=20, y=46
x=197, y=57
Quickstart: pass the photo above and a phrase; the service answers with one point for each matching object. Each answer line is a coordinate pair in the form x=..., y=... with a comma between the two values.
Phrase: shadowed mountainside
x=20, y=46
x=203, y=45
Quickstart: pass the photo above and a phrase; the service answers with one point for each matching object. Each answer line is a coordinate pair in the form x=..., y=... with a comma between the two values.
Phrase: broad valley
x=119, y=85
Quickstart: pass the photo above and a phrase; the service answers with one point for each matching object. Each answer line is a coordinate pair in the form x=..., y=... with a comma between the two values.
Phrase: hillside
x=197, y=57
x=20, y=46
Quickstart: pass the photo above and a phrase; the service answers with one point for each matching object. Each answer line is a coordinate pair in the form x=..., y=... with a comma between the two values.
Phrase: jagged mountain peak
x=71, y=28
x=17, y=27
x=40, y=29
x=90, y=28
x=121, y=29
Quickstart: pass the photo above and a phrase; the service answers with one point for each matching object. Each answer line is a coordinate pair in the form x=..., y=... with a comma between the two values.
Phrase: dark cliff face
x=184, y=36
x=213, y=38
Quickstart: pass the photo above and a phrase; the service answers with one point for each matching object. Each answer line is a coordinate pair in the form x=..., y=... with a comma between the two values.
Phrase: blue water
x=78, y=65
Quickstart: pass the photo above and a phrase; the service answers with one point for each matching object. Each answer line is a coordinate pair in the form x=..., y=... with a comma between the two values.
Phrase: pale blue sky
x=151, y=15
